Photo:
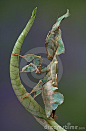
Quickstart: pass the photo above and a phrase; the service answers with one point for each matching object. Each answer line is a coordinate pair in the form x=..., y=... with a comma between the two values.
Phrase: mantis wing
x=61, y=48
x=29, y=68
x=37, y=60
x=53, y=42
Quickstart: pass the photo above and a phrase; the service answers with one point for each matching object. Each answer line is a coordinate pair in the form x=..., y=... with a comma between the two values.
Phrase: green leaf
x=18, y=88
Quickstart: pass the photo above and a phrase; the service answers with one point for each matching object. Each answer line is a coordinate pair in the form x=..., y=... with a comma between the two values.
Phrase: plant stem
x=54, y=125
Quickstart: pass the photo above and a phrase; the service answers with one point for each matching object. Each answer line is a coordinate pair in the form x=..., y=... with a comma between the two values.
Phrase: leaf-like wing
x=53, y=42
x=29, y=57
x=58, y=98
x=29, y=68
x=37, y=60
x=47, y=92
x=61, y=48
x=51, y=45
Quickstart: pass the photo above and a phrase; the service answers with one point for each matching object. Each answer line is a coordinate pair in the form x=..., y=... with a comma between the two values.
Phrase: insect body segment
x=54, y=71
x=51, y=98
x=51, y=45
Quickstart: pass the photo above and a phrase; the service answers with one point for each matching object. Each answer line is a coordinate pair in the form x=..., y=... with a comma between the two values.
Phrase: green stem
x=54, y=125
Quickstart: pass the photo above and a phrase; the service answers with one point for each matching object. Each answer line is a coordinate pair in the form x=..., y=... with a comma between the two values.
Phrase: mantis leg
x=27, y=94
x=18, y=55
x=53, y=115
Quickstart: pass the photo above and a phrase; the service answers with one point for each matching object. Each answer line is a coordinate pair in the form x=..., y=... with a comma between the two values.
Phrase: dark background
x=14, y=15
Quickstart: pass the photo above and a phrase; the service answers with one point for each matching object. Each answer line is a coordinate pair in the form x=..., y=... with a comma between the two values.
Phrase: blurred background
x=13, y=18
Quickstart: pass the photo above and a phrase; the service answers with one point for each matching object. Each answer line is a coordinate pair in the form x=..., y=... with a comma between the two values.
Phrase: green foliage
x=29, y=103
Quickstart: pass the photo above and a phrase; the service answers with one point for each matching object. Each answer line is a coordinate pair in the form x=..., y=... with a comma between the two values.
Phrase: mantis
x=47, y=86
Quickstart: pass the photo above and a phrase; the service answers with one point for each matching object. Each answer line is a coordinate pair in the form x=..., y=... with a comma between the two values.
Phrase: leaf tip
x=34, y=12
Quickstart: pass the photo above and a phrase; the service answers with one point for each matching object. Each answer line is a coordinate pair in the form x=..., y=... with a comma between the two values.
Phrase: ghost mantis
x=48, y=85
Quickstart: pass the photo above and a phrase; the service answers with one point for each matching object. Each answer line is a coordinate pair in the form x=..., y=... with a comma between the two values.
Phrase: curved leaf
x=29, y=103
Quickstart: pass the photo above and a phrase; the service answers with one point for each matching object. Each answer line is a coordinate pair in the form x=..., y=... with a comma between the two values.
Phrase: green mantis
x=46, y=86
